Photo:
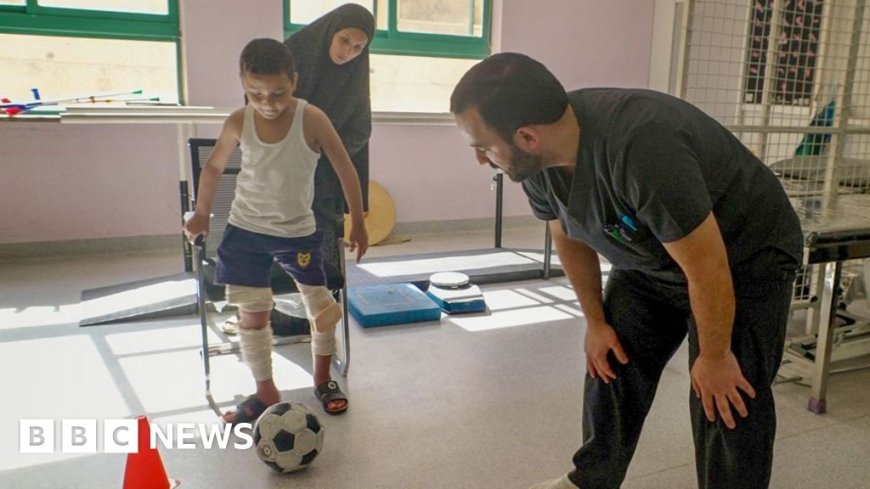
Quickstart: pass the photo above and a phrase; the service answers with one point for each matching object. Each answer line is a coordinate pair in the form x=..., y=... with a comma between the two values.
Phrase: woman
x=332, y=59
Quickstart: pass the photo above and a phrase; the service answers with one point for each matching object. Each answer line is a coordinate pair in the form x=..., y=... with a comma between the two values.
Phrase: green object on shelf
x=813, y=144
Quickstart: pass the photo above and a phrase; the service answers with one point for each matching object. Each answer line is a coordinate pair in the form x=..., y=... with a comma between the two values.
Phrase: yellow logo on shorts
x=303, y=259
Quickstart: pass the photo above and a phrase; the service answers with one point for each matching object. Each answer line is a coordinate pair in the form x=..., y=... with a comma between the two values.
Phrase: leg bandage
x=257, y=351
x=323, y=314
x=250, y=299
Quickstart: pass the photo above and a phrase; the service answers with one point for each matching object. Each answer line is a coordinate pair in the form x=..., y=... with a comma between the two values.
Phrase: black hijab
x=341, y=91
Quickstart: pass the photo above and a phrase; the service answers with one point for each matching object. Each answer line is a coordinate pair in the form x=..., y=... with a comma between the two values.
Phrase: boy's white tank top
x=275, y=186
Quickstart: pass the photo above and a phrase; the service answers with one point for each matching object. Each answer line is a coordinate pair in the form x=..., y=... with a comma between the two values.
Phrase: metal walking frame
x=199, y=253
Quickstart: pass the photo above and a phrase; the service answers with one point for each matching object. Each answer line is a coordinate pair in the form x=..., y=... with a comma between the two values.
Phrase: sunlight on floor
x=510, y=318
x=153, y=340
x=78, y=376
x=174, y=382
x=432, y=265
x=521, y=306
x=162, y=366
x=533, y=295
x=39, y=316
x=113, y=303
x=561, y=292
x=497, y=300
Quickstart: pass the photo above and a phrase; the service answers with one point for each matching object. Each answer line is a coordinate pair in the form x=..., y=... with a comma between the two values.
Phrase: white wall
x=62, y=182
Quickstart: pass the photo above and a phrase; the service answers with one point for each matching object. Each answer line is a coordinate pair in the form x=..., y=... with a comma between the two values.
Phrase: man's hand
x=716, y=380
x=600, y=340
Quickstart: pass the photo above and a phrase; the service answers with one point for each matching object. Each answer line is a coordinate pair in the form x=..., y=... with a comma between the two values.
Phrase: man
x=703, y=243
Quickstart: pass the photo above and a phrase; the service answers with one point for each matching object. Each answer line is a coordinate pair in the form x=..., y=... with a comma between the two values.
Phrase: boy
x=271, y=218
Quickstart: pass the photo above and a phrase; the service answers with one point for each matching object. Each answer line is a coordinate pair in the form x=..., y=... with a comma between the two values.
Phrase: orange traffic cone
x=145, y=469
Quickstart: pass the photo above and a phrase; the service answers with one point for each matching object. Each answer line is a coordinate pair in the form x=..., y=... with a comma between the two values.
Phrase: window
x=77, y=48
x=421, y=47
x=797, y=45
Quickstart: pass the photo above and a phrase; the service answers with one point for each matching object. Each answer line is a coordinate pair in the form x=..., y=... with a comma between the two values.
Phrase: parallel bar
x=499, y=193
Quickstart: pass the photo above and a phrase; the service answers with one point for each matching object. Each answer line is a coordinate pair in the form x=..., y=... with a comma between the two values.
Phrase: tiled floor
x=489, y=401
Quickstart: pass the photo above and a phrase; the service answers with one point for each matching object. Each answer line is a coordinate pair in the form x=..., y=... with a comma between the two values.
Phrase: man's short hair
x=510, y=90
x=267, y=57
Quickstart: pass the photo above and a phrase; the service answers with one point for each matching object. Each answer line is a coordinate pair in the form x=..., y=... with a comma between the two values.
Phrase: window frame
x=38, y=20
x=395, y=42
x=758, y=88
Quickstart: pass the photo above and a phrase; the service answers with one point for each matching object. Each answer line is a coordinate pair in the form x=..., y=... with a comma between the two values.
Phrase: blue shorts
x=245, y=258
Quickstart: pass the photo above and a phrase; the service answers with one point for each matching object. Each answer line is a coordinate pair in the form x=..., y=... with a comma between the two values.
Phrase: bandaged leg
x=255, y=339
x=257, y=351
x=250, y=299
x=323, y=314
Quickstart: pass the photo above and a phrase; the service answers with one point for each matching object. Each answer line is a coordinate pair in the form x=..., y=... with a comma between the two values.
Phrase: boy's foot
x=248, y=410
x=329, y=394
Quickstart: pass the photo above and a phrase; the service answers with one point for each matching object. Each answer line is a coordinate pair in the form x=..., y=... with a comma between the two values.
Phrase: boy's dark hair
x=510, y=90
x=266, y=57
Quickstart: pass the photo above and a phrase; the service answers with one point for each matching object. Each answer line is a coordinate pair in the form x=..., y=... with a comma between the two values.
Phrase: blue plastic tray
x=383, y=305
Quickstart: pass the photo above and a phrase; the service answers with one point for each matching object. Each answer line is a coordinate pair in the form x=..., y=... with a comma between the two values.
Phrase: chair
x=205, y=252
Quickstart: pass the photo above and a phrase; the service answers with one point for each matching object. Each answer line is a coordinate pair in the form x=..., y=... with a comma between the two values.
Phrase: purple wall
x=586, y=43
x=82, y=182
x=63, y=182
x=66, y=182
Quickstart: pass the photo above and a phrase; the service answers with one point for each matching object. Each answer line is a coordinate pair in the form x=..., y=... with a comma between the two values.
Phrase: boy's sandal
x=328, y=392
x=249, y=410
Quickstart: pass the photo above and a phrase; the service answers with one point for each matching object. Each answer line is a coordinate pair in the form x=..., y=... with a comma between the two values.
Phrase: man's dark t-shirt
x=650, y=168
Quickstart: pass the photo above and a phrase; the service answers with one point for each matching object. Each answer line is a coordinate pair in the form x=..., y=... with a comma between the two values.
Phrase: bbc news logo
x=122, y=436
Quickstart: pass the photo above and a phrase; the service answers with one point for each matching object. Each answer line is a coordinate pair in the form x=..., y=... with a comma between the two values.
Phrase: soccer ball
x=288, y=436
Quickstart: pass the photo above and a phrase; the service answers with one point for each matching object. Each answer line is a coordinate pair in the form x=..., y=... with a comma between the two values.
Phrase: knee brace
x=323, y=314
x=256, y=347
x=250, y=299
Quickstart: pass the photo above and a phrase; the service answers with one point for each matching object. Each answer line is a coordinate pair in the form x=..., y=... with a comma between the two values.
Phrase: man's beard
x=522, y=164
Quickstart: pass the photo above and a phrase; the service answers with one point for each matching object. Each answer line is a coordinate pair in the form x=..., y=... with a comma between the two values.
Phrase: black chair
x=205, y=251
